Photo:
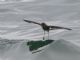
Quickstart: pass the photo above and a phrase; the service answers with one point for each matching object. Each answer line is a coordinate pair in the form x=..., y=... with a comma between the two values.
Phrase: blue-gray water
x=65, y=13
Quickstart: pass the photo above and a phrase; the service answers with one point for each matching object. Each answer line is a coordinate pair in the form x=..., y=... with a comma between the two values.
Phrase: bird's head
x=43, y=24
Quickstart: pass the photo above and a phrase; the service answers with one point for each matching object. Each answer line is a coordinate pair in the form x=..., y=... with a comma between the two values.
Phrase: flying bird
x=46, y=27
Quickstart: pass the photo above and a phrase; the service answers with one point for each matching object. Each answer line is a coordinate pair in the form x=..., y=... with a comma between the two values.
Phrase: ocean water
x=58, y=50
x=14, y=32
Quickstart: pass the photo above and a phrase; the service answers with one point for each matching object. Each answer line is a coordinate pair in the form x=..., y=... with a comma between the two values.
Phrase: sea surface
x=15, y=33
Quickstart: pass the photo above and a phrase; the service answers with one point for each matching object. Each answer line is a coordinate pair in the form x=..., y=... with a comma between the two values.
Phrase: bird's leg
x=44, y=36
x=48, y=35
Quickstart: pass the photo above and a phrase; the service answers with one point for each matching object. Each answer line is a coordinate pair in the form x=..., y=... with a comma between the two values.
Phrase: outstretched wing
x=57, y=27
x=31, y=22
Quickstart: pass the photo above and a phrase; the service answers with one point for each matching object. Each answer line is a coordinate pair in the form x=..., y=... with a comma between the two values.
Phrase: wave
x=58, y=50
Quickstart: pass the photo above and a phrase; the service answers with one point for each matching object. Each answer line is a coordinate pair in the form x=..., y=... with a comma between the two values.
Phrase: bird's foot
x=43, y=38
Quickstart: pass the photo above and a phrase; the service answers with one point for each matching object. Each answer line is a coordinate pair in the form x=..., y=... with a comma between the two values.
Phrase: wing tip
x=24, y=20
x=68, y=29
x=27, y=21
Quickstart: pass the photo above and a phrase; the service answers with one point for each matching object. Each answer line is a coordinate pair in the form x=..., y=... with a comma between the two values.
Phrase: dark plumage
x=46, y=27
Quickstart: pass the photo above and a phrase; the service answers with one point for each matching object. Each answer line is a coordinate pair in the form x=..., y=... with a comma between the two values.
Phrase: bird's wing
x=32, y=22
x=58, y=27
